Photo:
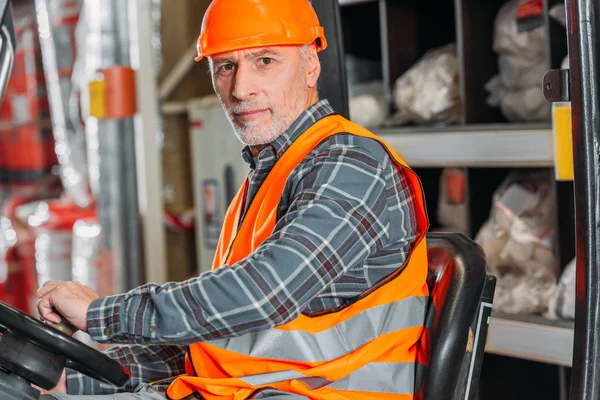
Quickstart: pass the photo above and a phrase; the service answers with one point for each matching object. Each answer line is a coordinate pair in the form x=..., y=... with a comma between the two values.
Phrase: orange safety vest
x=369, y=349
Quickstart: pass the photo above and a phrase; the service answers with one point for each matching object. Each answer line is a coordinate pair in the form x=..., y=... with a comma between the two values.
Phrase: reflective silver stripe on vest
x=273, y=394
x=377, y=377
x=313, y=382
x=272, y=377
x=380, y=377
x=332, y=343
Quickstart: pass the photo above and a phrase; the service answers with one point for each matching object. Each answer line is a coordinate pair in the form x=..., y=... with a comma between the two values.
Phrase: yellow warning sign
x=563, y=142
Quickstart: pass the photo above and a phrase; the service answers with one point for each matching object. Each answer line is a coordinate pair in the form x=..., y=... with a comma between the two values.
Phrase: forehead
x=236, y=55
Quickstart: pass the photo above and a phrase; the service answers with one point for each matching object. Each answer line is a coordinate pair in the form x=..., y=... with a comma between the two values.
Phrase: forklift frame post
x=333, y=84
x=583, y=23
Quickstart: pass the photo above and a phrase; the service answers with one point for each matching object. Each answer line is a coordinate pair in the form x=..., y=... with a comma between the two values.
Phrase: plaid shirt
x=345, y=221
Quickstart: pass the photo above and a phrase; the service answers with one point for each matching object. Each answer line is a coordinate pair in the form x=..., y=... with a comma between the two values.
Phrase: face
x=263, y=90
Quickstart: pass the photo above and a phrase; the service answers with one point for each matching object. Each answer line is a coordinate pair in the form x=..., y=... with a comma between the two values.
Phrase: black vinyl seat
x=461, y=295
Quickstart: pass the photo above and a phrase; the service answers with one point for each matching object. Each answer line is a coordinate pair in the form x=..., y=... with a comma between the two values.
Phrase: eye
x=225, y=67
x=266, y=60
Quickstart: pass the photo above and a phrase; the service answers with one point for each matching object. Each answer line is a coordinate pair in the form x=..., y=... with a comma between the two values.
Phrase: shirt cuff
x=79, y=384
x=74, y=382
x=104, y=318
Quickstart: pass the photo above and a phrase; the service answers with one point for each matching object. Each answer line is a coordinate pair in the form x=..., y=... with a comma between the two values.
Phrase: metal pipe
x=70, y=143
x=146, y=59
x=583, y=33
x=112, y=144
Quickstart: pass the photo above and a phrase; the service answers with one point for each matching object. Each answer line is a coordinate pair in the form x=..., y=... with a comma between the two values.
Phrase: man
x=318, y=288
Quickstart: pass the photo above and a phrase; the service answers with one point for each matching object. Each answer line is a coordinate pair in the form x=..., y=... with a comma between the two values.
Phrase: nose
x=244, y=86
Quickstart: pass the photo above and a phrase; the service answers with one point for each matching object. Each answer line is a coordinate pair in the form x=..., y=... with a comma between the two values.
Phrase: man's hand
x=69, y=299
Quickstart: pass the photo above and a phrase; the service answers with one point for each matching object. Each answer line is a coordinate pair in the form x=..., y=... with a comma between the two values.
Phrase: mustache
x=246, y=106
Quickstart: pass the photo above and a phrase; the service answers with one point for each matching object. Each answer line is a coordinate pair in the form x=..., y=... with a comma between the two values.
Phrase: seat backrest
x=457, y=277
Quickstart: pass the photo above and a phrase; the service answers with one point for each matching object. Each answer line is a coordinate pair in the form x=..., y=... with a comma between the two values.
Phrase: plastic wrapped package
x=367, y=101
x=508, y=40
x=517, y=89
x=429, y=92
x=520, y=104
x=518, y=240
x=562, y=302
x=520, y=73
x=367, y=104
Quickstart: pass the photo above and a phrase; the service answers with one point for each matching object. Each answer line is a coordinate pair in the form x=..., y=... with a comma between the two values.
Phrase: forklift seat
x=461, y=295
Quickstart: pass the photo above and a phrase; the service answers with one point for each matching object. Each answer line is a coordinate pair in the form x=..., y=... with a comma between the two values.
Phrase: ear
x=314, y=67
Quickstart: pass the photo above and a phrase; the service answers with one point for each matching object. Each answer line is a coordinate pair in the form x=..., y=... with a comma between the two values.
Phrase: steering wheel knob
x=65, y=328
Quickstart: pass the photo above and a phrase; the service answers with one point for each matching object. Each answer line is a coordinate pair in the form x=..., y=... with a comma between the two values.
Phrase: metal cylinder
x=57, y=59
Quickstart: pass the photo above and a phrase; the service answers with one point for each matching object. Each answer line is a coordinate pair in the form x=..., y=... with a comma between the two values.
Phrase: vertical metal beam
x=149, y=142
x=583, y=32
x=333, y=84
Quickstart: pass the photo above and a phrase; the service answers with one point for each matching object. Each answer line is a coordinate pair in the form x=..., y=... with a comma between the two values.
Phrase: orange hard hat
x=240, y=24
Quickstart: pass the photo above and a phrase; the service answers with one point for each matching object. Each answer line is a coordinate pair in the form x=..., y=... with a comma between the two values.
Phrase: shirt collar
x=308, y=117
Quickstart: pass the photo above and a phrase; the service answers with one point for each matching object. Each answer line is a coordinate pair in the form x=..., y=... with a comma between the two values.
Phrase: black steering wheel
x=38, y=353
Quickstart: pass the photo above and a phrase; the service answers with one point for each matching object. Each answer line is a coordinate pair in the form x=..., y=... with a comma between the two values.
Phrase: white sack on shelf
x=521, y=73
x=529, y=45
x=524, y=104
x=562, y=303
x=518, y=240
x=517, y=89
x=429, y=92
x=367, y=104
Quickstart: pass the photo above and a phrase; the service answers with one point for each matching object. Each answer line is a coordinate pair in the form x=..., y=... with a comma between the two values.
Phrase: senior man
x=318, y=288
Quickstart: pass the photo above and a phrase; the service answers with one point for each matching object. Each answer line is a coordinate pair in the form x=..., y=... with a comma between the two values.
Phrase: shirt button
x=106, y=331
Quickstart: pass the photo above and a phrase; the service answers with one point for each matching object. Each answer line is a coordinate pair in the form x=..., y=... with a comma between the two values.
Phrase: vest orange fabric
x=369, y=349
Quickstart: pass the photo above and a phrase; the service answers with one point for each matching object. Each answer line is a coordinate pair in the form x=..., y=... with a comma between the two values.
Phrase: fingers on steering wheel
x=47, y=287
x=46, y=310
x=49, y=315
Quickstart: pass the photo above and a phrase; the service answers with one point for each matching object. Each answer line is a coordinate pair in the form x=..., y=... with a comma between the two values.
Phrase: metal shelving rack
x=498, y=145
x=531, y=338
x=482, y=140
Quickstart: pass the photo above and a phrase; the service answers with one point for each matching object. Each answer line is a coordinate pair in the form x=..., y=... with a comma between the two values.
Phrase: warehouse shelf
x=489, y=145
x=531, y=338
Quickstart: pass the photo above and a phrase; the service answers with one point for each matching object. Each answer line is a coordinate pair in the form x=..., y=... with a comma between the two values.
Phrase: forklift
x=34, y=353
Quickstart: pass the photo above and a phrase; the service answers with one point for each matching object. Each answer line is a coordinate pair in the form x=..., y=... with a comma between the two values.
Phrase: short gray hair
x=303, y=51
